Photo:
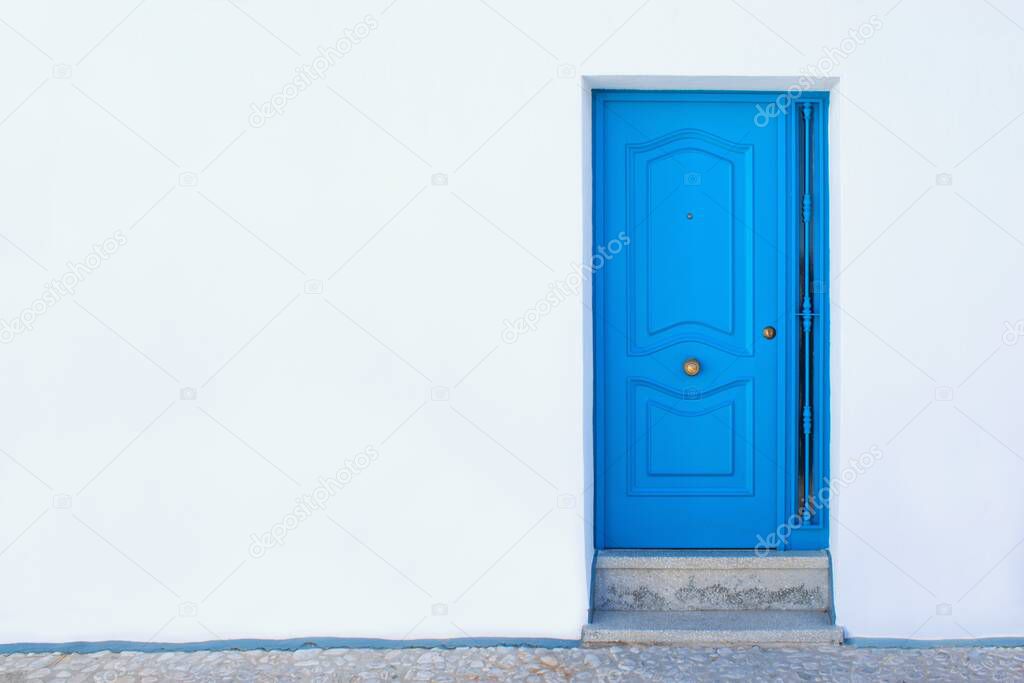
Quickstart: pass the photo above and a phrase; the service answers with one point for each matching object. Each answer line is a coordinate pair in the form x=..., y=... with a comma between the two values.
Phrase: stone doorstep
x=789, y=627
x=711, y=559
x=707, y=597
x=711, y=580
x=702, y=589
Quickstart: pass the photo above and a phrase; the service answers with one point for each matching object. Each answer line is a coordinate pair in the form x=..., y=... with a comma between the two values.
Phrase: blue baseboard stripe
x=907, y=643
x=86, y=647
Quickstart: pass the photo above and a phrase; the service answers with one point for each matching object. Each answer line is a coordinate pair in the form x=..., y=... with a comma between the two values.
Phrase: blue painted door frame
x=720, y=200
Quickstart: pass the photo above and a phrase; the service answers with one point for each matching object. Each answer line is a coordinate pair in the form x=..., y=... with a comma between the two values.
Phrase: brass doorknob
x=691, y=367
x=768, y=332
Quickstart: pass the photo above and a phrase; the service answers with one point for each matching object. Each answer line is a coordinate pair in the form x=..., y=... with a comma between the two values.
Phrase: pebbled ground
x=612, y=665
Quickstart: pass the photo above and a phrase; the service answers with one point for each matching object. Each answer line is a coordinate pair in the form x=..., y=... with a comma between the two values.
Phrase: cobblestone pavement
x=613, y=664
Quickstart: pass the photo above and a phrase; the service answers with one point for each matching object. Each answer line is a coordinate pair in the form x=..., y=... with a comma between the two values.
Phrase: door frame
x=792, y=531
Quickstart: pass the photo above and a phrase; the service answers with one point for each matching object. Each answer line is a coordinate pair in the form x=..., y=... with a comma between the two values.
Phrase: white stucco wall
x=129, y=512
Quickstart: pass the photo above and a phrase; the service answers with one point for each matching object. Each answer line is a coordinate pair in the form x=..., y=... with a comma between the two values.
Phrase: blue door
x=695, y=339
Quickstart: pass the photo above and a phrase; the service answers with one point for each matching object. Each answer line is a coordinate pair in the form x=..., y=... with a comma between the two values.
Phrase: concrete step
x=684, y=580
x=703, y=627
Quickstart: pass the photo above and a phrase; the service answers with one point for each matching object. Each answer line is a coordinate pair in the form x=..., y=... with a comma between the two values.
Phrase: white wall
x=128, y=512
